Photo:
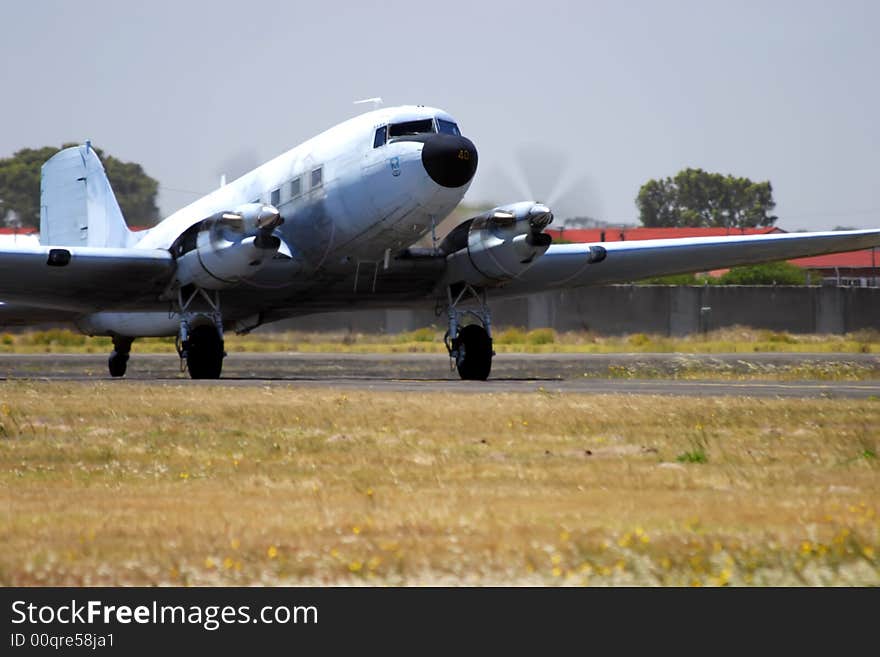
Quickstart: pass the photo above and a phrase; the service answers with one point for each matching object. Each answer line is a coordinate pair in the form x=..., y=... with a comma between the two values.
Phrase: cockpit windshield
x=448, y=128
x=409, y=128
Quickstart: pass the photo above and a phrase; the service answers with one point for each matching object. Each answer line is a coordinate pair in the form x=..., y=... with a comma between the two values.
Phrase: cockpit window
x=409, y=128
x=448, y=127
x=379, y=139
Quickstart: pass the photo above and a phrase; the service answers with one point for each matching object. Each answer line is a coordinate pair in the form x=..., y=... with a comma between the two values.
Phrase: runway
x=656, y=374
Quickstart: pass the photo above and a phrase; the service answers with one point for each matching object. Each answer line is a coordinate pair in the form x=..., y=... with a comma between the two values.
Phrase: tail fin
x=77, y=205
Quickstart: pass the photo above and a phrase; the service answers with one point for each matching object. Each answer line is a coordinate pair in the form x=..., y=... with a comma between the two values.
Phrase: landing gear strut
x=470, y=347
x=119, y=356
x=200, y=341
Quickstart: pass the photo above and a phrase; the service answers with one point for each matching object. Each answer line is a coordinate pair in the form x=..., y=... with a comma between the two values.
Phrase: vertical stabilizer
x=77, y=204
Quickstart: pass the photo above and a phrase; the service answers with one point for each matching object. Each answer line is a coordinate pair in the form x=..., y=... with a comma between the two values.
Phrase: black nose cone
x=450, y=160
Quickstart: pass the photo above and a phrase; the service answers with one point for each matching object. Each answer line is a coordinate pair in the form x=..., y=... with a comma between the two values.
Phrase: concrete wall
x=665, y=310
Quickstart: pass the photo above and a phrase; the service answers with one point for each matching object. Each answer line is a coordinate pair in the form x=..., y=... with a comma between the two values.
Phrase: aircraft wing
x=83, y=279
x=573, y=265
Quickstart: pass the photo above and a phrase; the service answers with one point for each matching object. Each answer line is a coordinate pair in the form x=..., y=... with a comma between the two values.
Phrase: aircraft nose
x=450, y=160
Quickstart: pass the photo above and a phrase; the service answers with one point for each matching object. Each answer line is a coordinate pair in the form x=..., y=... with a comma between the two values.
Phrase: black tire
x=476, y=361
x=117, y=364
x=204, y=353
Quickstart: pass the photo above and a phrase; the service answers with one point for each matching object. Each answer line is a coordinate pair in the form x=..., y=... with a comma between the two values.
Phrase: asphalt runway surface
x=574, y=373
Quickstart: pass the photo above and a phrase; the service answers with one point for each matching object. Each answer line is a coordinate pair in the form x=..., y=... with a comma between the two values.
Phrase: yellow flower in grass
x=272, y=552
x=209, y=563
x=723, y=578
x=355, y=566
x=868, y=551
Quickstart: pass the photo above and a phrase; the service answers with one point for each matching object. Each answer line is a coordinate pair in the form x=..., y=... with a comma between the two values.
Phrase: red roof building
x=611, y=234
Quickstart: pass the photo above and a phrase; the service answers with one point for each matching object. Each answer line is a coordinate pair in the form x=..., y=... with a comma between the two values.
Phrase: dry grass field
x=510, y=340
x=123, y=483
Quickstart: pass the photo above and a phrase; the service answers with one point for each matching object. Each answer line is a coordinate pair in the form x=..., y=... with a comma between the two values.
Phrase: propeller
x=548, y=175
x=251, y=220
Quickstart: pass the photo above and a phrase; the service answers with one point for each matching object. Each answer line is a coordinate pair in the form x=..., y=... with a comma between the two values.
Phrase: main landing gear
x=470, y=347
x=200, y=341
x=202, y=351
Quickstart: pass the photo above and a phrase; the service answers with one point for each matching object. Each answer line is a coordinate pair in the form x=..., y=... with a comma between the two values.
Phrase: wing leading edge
x=83, y=279
x=574, y=265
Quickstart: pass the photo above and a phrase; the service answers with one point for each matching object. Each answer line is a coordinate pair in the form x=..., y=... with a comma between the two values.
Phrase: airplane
x=328, y=225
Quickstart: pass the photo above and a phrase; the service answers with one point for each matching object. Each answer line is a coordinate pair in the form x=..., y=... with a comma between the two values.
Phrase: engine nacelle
x=497, y=246
x=228, y=247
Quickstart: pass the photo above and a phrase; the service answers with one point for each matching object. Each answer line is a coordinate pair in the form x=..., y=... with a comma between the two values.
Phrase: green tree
x=771, y=273
x=698, y=198
x=20, y=186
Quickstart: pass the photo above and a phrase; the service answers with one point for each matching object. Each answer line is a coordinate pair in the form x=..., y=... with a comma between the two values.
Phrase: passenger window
x=448, y=127
x=379, y=139
x=317, y=177
x=295, y=187
x=275, y=198
x=409, y=128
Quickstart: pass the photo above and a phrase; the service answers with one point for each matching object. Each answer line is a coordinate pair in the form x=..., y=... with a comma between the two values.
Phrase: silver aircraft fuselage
x=348, y=204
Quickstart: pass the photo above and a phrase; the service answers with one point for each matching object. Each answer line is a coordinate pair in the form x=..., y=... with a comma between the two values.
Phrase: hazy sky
x=604, y=94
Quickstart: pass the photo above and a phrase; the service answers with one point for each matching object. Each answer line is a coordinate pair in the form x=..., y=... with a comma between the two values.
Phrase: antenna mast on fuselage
x=376, y=101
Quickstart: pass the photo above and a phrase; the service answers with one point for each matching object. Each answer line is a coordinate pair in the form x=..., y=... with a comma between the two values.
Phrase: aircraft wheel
x=475, y=353
x=204, y=353
x=117, y=363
